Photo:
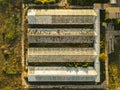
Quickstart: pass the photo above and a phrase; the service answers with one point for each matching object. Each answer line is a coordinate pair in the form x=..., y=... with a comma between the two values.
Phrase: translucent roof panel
x=61, y=31
x=60, y=39
x=113, y=1
x=61, y=74
x=63, y=19
x=61, y=55
x=61, y=58
x=61, y=12
x=61, y=51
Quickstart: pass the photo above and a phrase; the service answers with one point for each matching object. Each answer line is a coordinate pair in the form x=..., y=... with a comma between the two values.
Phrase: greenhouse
x=61, y=16
x=64, y=74
x=58, y=36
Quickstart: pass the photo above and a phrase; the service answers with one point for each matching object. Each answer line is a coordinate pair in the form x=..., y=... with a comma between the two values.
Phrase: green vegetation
x=102, y=44
x=8, y=88
x=76, y=64
x=11, y=31
x=114, y=64
x=40, y=1
x=116, y=23
x=10, y=45
x=45, y=1
x=114, y=80
x=103, y=57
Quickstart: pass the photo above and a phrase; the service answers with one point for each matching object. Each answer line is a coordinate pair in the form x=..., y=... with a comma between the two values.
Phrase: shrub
x=10, y=36
x=45, y=1
x=102, y=57
x=102, y=45
x=76, y=64
x=6, y=52
x=85, y=64
x=72, y=64
x=10, y=70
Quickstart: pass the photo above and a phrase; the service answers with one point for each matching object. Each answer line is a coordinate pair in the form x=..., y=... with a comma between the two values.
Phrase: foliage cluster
x=76, y=64
x=114, y=77
x=45, y=1
x=103, y=57
x=40, y=1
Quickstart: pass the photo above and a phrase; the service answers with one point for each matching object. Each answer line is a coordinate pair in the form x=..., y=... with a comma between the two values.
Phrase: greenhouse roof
x=61, y=12
x=61, y=74
x=61, y=51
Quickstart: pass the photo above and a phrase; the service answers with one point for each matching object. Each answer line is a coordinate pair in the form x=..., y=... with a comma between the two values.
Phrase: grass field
x=10, y=45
